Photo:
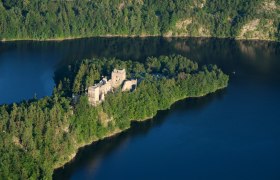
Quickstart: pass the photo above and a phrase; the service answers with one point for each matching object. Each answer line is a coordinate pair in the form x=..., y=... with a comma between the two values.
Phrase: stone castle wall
x=129, y=85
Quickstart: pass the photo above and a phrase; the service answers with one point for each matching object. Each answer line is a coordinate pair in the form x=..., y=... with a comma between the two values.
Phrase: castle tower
x=93, y=95
x=118, y=76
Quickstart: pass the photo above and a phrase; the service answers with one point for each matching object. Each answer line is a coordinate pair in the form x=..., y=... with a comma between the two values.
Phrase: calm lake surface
x=231, y=134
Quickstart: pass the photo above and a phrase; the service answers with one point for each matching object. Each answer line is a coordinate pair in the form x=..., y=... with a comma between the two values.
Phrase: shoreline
x=118, y=131
x=82, y=145
x=131, y=36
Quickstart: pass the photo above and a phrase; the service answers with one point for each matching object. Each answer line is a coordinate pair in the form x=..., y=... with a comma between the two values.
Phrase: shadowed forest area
x=40, y=20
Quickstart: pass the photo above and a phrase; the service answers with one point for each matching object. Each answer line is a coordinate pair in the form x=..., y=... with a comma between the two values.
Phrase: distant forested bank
x=42, y=20
x=40, y=135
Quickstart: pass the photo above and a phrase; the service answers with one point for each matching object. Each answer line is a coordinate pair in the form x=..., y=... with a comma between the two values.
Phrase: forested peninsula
x=40, y=135
x=58, y=20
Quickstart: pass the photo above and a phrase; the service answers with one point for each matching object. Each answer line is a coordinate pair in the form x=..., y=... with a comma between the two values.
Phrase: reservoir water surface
x=231, y=134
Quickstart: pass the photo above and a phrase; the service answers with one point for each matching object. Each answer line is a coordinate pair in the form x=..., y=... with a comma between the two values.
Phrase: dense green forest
x=48, y=19
x=40, y=135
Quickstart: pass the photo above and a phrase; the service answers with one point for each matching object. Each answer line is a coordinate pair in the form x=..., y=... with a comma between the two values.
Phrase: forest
x=48, y=19
x=40, y=135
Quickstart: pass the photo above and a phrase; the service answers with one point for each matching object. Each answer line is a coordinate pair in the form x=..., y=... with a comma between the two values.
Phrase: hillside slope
x=40, y=20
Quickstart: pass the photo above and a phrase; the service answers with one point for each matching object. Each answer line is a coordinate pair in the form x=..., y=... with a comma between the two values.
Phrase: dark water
x=231, y=134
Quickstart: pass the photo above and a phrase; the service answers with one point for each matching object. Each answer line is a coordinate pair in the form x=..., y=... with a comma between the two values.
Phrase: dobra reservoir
x=232, y=134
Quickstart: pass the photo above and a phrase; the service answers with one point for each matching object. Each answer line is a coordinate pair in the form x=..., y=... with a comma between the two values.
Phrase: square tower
x=93, y=95
x=118, y=76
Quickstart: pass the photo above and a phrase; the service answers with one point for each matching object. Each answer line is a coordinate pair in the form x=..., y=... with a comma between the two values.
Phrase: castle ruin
x=96, y=93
